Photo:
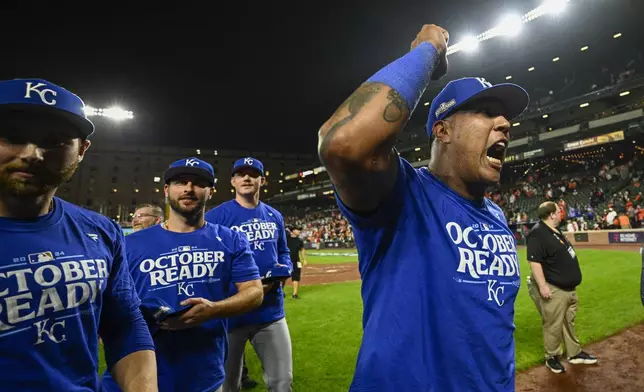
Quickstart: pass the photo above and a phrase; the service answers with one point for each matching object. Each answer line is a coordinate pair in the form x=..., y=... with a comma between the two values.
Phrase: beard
x=189, y=211
x=43, y=180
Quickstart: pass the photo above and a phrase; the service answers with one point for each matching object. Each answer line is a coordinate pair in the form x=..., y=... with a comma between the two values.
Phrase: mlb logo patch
x=42, y=257
x=184, y=248
x=485, y=227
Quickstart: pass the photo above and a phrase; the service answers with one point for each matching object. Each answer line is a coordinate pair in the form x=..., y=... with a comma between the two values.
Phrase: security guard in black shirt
x=555, y=276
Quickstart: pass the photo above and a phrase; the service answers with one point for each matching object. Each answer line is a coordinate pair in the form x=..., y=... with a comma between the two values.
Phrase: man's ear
x=82, y=149
x=442, y=131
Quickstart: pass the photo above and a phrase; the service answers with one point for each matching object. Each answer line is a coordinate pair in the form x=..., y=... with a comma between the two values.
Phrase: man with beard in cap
x=183, y=271
x=64, y=273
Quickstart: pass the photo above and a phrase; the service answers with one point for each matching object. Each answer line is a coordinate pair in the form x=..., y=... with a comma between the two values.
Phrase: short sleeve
x=536, y=252
x=387, y=210
x=120, y=298
x=243, y=268
x=121, y=325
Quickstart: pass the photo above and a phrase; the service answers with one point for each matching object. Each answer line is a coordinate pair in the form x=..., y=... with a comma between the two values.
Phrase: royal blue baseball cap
x=278, y=271
x=41, y=95
x=250, y=163
x=468, y=90
x=190, y=165
x=154, y=310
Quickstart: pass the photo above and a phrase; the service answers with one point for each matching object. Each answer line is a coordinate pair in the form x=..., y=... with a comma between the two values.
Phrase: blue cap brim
x=85, y=127
x=174, y=172
x=238, y=168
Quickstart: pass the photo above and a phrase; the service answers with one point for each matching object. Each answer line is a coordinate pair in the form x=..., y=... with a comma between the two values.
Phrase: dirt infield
x=329, y=273
x=620, y=368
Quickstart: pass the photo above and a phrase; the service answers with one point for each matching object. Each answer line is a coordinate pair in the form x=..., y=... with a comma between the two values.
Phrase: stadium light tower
x=114, y=113
x=511, y=25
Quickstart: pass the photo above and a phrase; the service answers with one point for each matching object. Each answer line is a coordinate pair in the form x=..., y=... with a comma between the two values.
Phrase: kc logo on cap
x=192, y=165
x=249, y=162
x=41, y=95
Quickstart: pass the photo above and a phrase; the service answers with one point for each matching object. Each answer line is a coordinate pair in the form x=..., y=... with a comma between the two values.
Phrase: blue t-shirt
x=440, y=276
x=64, y=280
x=264, y=229
x=173, y=267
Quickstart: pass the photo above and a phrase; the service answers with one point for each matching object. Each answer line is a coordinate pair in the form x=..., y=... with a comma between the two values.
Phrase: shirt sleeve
x=243, y=267
x=387, y=211
x=122, y=326
x=283, y=253
x=536, y=252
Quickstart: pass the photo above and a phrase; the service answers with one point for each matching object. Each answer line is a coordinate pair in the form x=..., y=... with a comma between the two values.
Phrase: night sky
x=261, y=75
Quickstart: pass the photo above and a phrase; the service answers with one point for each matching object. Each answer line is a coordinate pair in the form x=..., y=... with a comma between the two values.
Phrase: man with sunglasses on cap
x=184, y=270
x=439, y=267
x=266, y=326
x=64, y=275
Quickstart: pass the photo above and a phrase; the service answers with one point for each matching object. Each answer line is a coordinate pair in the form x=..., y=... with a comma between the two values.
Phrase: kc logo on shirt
x=487, y=257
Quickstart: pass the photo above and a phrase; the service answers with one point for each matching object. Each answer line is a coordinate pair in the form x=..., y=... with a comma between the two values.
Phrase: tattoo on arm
x=394, y=109
x=355, y=103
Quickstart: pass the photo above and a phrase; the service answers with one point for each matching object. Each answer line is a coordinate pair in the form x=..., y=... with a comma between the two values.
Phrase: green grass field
x=326, y=327
x=331, y=256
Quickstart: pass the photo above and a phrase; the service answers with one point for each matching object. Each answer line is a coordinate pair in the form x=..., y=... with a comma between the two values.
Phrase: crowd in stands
x=322, y=226
x=609, y=198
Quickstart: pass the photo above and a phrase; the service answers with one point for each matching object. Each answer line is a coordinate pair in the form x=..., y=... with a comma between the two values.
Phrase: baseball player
x=438, y=263
x=265, y=327
x=63, y=272
x=146, y=215
x=183, y=270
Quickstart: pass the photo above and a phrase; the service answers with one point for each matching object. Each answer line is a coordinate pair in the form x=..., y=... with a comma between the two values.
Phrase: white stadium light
x=554, y=7
x=512, y=25
x=115, y=113
x=469, y=44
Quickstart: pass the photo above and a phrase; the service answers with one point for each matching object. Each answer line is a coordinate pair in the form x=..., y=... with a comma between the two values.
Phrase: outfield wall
x=616, y=238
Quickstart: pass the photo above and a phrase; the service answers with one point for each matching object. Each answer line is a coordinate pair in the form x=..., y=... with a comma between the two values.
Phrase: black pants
x=244, y=370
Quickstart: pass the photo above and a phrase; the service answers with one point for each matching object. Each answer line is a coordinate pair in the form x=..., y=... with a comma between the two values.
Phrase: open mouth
x=496, y=153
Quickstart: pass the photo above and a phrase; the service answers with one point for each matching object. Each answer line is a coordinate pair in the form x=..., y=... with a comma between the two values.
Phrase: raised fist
x=438, y=37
